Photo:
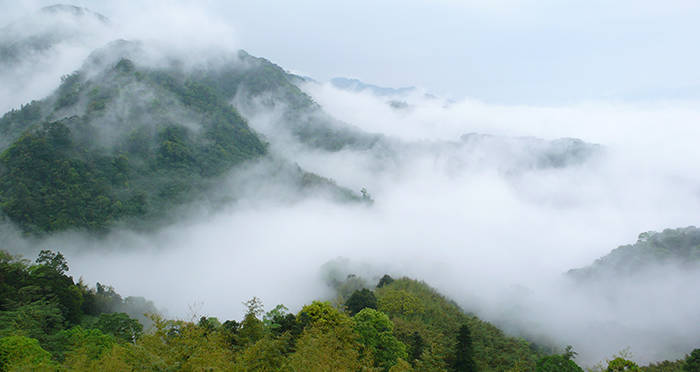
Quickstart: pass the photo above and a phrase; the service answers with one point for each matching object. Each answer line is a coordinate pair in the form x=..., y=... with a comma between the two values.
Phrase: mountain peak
x=72, y=10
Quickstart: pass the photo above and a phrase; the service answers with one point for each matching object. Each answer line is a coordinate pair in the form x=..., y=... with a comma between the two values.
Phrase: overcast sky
x=506, y=51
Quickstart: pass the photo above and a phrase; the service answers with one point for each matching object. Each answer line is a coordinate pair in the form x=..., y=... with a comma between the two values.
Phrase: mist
x=479, y=217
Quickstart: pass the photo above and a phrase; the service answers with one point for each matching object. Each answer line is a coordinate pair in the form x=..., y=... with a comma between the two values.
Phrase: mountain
x=678, y=247
x=50, y=322
x=357, y=86
x=36, y=34
x=120, y=139
x=40, y=47
x=47, y=320
x=264, y=86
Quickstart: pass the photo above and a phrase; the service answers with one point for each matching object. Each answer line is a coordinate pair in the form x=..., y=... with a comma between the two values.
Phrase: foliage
x=620, y=364
x=385, y=280
x=19, y=353
x=671, y=246
x=319, y=350
x=122, y=154
x=120, y=326
x=376, y=334
x=557, y=363
x=414, y=307
x=692, y=362
x=360, y=299
x=464, y=352
x=421, y=331
x=40, y=301
x=322, y=315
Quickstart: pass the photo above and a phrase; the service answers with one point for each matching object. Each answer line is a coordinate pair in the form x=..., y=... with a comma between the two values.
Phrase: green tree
x=621, y=364
x=556, y=363
x=375, y=330
x=360, y=299
x=692, y=362
x=120, y=326
x=464, y=352
x=385, y=280
x=21, y=353
x=320, y=349
x=321, y=314
x=252, y=328
x=52, y=260
x=416, y=346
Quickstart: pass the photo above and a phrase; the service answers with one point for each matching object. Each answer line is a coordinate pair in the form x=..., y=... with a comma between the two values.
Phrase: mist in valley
x=490, y=203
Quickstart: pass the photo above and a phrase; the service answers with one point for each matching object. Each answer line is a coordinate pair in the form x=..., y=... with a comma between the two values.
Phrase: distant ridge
x=355, y=85
x=73, y=10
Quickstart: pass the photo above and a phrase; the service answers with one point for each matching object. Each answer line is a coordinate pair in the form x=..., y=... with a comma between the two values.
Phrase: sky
x=507, y=51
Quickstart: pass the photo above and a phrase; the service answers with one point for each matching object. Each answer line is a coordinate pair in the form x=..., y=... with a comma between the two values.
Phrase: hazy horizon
x=504, y=52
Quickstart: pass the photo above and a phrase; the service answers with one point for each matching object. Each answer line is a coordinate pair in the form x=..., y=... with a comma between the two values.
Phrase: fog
x=480, y=217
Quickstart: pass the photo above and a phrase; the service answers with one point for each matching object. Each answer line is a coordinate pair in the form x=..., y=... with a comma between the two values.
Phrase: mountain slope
x=257, y=85
x=679, y=246
x=125, y=142
x=121, y=139
x=36, y=34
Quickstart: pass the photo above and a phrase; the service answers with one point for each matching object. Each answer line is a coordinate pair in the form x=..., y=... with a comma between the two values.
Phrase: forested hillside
x=50, y=322
x=119, y=140
x=676, y=247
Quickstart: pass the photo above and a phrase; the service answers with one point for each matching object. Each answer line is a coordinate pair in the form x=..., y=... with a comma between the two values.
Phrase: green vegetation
x=49, y=322
x=257, y=81
x=47, y=319
x=129, y=143
x=672, y=246
x=361, y=299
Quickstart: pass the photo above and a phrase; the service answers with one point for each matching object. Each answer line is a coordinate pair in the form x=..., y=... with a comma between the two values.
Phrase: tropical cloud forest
x=385, y=186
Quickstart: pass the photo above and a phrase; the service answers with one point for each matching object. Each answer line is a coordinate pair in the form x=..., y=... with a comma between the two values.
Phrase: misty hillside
x=51, y=26
x=355, y=85
x=264, y=85
x=677, y=247
x=118, y=139
x=381, y=325
x=399, y=322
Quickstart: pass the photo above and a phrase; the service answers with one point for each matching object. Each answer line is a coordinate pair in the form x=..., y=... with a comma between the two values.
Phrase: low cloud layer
x=472, y=220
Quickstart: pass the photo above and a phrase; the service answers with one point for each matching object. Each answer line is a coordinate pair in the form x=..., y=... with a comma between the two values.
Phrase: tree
x=321, y=350
x=401, y=366
x=321, y=314
x=692, y=362
x=23, y=354
x=416, y=346
x=120, y=326
x=464, y=353
x=55, y=261
x=252, y=328
x=556, y=363
x=621, y=364
x=376, y=333
x=360, y=299
x=385, y=280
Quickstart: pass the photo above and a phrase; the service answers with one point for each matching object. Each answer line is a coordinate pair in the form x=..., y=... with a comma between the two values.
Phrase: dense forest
x=49, y=322
x=118, y=141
